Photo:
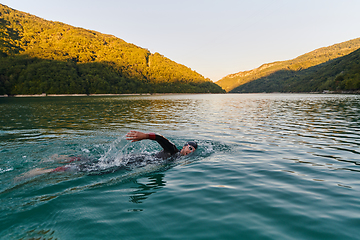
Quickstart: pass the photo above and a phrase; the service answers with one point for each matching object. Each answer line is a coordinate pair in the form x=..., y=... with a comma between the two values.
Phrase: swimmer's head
x=188, y=148
x=192, y=143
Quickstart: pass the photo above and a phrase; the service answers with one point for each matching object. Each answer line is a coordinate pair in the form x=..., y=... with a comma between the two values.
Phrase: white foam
x=6, y=170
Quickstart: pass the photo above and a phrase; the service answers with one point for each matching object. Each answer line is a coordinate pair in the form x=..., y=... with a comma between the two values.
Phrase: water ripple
x=269, y=166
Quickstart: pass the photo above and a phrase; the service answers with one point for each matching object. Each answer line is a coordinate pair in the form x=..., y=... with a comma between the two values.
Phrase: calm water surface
x=269, y=166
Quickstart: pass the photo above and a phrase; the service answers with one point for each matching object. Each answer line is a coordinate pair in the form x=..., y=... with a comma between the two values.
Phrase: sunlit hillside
x=338, y=75
x=287, y=69
x=39, y=56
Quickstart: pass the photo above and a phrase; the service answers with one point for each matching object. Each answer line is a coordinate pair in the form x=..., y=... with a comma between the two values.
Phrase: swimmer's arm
x=135, y=136
x=168, y=146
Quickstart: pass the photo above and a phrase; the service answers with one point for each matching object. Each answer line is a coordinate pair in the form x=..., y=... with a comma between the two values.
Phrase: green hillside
x=279, y=76
x=39, y=56
x=341, y=74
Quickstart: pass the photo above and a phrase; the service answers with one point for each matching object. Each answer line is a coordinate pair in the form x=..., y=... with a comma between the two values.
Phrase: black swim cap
x=192, y=143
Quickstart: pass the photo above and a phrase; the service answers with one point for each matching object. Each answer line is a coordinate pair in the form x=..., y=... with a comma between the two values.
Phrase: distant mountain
x=313, y=71
x=39, y=56
x=337, y=75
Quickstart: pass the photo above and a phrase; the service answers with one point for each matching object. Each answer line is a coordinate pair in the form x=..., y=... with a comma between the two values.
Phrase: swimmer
x=169, y=151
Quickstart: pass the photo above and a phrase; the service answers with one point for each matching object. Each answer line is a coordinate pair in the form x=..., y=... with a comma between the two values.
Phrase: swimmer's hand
x=135, y=136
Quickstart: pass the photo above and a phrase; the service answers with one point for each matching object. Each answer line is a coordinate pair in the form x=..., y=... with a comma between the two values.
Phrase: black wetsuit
x=169, y=149
x=87, y=165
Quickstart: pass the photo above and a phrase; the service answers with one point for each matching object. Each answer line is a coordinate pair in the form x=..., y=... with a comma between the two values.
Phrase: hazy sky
x=212, y=37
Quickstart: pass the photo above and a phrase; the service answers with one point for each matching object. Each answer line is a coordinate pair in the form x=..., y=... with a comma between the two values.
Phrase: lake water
x=268, y=166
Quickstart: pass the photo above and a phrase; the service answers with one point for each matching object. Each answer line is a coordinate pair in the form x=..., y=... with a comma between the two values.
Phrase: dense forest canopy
x=39, y=56
x=305, y=73
x=338, y=75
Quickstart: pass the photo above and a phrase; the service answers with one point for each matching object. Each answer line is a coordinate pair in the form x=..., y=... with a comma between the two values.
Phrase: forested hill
x=39, y=56
x=313, y=71
x=338, y=75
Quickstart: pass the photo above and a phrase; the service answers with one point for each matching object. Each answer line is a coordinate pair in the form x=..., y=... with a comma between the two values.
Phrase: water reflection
x=43, y=234
x=52, y=115
x=155, y=182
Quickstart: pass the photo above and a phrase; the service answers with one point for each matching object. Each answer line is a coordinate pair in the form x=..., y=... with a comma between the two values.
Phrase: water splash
x=6, y=170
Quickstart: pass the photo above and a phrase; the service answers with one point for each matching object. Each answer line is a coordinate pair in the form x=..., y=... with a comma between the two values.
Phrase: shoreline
x=73, y=95
x=149, y=94
x=90, y=95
